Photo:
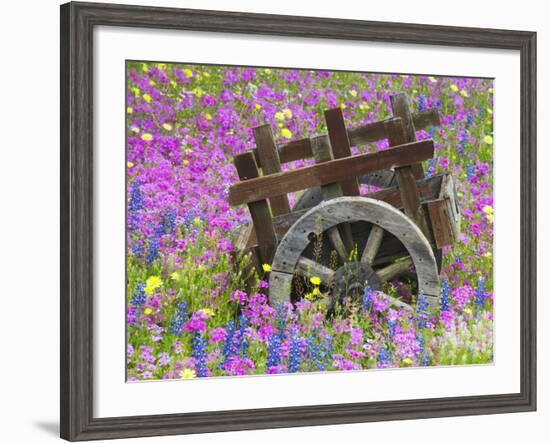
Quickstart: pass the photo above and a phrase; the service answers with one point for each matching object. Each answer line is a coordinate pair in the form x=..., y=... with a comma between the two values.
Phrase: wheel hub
x=350, y=281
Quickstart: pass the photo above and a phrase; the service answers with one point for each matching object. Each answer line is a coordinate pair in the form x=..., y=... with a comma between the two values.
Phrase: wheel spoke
x=310, y=268
x=372, y=246
x=338, y=243
x=395, y=269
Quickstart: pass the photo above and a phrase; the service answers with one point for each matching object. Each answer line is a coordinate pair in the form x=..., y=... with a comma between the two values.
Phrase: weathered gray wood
x=259, y=210
x=394, y=270
x=340, y=236
x=269, y=156
x=309, y=268
x=313, y=196
x=341, y=146
x=324, y=173
x=241, y=236
x=280, y=286
x=400, y=108
x=374, y=241
x=352, y=209
x=428, y=188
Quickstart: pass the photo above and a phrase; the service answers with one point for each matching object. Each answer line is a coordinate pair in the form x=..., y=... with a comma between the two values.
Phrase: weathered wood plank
x=359, y=136
x=373, y=244
x=259, y=210
x=340, y=236
x=439, y=218
x=309, y=268
x=269, y=156
x=400, y=108
x=428, y=118
x=321, y=174
x=341, y=146
x=369, y=133
x=428, y=188
x=354, y=209
x=406, y=181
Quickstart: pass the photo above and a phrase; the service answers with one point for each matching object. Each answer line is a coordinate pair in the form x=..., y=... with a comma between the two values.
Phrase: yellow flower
x=152, y=283
x=185, y=162
x=463, y=93
x=343, y=106
x=490, y=90
x=207, y=116
x=206, y=74
x=315, y=291
x=147, y=98
x=287, y=112
x=487, y=255
x=258, y=106
x=162, y=65
x=167, y=126
x=315, y=280
x=173, y=83
x=267, y=71
x=432, y=79
x=152, y=82
x=489, y=110
x=279, y=116
x=454, y=88
x=147, y=137
x=198, y=92
x=266, y=267
x=286, y=133
x=134, y=129
x=207, y=311
x=188, y=373
x=364, y=106
x=175, y=275
x=188, y=72
x=488, y=139
x=467, y=311
x=144, y=67
x=130, y=164
x=129, y=110
x=136, y=91
x=408, y=361
x=148, y=311
x=353, y=93
x=310, y=296
x=490, y=213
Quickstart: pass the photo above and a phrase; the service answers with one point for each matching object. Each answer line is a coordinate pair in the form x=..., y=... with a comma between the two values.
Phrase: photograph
x=286, y=220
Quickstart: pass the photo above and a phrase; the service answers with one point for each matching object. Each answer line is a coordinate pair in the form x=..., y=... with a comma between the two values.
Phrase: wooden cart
x=395, y=231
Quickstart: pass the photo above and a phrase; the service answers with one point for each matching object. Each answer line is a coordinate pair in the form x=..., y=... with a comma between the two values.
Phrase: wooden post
x=406, y=181
x=340, y=144
x=400, y=108
x=269, y=159
x=259, y=210
x=341, y=239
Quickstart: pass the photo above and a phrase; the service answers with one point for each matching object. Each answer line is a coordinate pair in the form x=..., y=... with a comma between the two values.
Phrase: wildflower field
x=190, y=313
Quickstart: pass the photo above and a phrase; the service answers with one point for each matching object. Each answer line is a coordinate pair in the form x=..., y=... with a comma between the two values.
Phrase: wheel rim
x=325, y=217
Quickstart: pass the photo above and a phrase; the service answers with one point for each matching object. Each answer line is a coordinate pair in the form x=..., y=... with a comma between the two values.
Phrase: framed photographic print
x=253, y=206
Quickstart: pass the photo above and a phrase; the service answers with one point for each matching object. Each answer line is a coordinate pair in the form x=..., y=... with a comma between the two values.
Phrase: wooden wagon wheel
x=313, y=196
x=384, y=218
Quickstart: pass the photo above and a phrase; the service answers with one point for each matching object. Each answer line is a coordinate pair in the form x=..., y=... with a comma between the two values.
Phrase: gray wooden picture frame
x=77, y=24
